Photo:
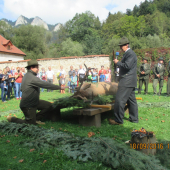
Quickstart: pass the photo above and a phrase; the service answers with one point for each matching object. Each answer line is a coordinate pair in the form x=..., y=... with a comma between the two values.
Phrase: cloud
x=60, y=11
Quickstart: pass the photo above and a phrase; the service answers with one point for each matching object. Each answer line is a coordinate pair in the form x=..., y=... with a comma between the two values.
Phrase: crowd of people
x=11, y=79
x=74, y=76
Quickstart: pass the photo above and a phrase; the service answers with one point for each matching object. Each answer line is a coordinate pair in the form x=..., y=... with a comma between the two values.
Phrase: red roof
x=7, y=47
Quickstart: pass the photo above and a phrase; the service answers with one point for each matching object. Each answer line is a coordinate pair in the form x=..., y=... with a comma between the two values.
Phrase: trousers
x=155, y=82
x=125, y=95
x=46, y=111
x=145, y=81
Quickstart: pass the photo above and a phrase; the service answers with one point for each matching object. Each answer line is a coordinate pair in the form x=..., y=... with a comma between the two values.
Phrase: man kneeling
x=30, y=102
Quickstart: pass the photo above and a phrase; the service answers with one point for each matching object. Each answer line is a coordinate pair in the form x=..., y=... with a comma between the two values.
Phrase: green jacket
x=146, y=68
x=160, y=71
x=30, y=88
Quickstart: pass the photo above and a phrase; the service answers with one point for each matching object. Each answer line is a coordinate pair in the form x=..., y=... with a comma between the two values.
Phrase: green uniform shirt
x=146, y=68
x=159, y=70
x=30, y=88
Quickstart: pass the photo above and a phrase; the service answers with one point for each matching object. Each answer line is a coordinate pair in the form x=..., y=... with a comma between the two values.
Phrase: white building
x=8, y=52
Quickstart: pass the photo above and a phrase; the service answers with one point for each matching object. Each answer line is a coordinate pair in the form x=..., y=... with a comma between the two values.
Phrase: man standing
x=81, y=73
x=30, y=101
x=71, y=72
x=102, y=70
x=158, y=71
x=127, y=84
x=50, y=77
x=168, y=82
x=144, y=71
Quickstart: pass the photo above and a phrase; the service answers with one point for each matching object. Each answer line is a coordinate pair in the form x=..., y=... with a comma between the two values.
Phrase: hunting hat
x=32, y=63
x=123, y=41
x=161, y=58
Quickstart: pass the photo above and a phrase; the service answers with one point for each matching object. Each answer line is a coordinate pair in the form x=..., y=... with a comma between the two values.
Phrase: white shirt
x=63, y=72
x=81, y=71
x=49, y=74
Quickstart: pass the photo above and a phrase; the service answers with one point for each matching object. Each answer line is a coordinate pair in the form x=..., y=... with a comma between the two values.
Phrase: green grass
x=149, y=118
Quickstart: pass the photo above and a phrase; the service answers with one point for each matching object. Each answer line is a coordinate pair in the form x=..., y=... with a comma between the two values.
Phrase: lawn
x=156, y=119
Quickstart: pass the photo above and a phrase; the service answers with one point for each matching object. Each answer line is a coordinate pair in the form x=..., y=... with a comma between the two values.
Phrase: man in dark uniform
x=127, y=84
x=30, y=102
x=158, y=71
x=144, y=71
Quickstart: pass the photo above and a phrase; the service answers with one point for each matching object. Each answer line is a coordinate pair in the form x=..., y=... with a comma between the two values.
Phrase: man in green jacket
x=168, y=82
x=30, y=101
x=144, y=71
x=158, y=71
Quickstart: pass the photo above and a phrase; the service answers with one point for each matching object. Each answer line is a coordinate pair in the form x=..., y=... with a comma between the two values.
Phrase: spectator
x=81, y=73
x=23, y=71
x=62, y=71
x=94, y=78
x=43, y=77
x=50, y=77
x=73, y=82
x=102, y=77
x=62, y=83
x=9, y=84
x=71, y=72
x=90, y=75
x=76, y=72
x=102, y=70
x=107, y=76
x=13, y=81
x=18, y=81
x=108, y=69
x=4, y=85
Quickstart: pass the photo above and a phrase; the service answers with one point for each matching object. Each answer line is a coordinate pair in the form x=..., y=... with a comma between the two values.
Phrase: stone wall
x=93, y=61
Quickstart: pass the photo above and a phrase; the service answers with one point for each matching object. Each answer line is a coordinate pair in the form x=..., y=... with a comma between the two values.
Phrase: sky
x=60, y=11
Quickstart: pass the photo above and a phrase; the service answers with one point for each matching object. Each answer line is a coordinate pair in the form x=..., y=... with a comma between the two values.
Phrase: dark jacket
x=159, y=70
x=30, y=88
x=71, y=73
x=146, y=68
x=128, y=69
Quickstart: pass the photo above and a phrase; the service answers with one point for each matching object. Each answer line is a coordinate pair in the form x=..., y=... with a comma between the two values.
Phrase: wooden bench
x=91, y=116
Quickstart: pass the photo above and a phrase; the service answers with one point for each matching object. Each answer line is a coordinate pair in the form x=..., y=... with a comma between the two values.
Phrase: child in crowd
x=62, y=83
x=94, y=78
x=73, y=82
x=102, y=77
x=107, y=76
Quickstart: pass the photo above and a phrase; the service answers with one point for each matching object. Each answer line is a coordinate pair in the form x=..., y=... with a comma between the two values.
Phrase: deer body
x=101, y=88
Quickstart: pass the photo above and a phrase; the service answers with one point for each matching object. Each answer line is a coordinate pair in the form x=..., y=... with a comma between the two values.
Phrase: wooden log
x=146, y=144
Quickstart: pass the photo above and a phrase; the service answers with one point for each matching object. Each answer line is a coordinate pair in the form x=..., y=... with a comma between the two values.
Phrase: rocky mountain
x=33, y=21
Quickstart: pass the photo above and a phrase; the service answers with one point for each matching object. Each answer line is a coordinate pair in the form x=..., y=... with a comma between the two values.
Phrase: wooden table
x=91, y=116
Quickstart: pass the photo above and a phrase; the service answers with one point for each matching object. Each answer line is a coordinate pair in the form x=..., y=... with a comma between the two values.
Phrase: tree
x=30, y=38
x=71, y=48
x=81, y=25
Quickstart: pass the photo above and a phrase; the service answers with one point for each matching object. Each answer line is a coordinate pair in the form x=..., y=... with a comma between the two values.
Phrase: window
x=8, y=47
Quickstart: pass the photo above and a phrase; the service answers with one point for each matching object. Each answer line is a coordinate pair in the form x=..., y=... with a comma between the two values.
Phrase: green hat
x=32, y=63
x=123, y=41
x=145, y=58
x=161, y=58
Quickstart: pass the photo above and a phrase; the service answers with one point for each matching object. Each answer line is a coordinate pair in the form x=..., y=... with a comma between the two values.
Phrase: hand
x=158, y=75
x=115, y=61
